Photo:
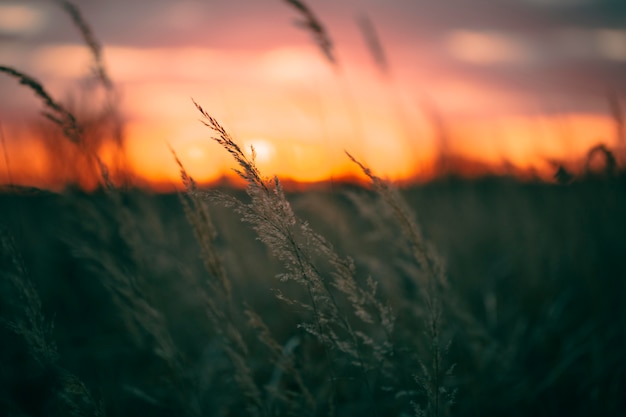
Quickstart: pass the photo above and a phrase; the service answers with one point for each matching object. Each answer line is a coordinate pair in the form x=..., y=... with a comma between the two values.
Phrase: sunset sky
x=521, y=81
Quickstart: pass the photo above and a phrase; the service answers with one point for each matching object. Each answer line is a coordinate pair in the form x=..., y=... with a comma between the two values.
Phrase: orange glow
x=526, y=143
x=533, y=141
x=300, y=115
x=27, y=165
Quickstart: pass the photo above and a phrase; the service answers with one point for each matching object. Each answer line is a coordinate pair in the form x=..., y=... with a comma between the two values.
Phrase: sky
x=500, y=82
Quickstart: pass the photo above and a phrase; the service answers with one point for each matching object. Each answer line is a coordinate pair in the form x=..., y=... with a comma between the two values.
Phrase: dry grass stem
x=372, y=40
x=314, y=26
x=58, y=114
x=90, y=40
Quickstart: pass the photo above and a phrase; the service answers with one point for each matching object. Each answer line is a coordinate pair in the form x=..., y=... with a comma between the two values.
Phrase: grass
x=538, y=269
x=504, y=298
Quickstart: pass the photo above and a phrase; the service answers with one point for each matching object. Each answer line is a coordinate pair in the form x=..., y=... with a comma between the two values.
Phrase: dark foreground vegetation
x=531, y=319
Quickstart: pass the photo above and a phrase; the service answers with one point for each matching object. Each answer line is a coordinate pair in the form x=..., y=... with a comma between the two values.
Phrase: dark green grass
x=541, y=267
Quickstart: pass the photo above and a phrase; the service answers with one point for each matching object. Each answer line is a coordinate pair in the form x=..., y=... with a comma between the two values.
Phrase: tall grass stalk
x=53, y=110
x=433, y=289
x=272, y=218
x=312, y=24
x=126, y=284
x=374, y=45
x=339, y=304
x=59, y=115
x=91, y=41
x=101, y=74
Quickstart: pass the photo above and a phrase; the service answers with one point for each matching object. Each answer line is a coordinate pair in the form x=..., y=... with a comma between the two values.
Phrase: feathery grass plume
x=55, y=112
x=423, y=253
x=433, y=288
x=314, y=26
x=372, y=40
x=348, y=318
x=71, y=396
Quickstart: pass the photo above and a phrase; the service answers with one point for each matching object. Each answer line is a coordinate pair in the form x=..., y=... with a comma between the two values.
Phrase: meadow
x=456, y=297
x=536, y=270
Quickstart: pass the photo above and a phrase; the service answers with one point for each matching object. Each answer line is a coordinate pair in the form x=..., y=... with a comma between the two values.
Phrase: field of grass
x=452, y=298
x=532, y=317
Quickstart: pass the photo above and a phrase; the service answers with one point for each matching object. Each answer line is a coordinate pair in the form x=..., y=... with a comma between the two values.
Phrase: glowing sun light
x=263, y=149
x=195, y=152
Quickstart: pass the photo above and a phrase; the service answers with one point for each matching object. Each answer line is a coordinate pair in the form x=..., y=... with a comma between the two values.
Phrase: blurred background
x=495, y=86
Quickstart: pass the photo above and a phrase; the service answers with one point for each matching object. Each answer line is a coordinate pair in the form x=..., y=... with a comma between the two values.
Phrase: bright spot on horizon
x=195, y=152
x=263, y=149
x=18, y=19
